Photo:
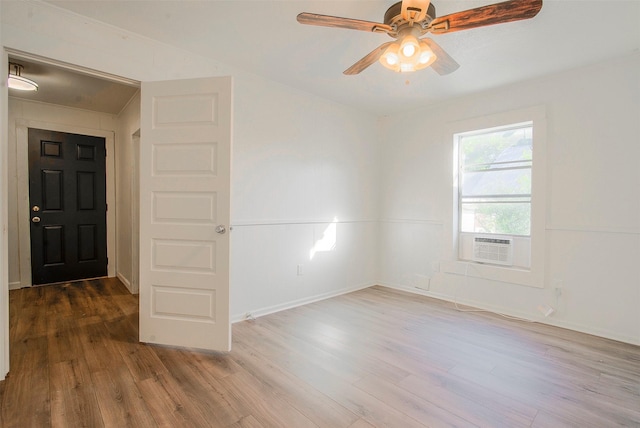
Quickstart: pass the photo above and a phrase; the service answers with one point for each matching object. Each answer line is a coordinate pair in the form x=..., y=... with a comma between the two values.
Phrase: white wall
x=128, y=125
x=299, y=162
x=593, y=200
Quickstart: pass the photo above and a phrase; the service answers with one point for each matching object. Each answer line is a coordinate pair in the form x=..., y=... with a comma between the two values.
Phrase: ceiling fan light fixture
x=16, y=81
x=427, y=57
x=391, y=58
x=395, y=59
x=408, y=55
x=409, y=46
x=407, y=67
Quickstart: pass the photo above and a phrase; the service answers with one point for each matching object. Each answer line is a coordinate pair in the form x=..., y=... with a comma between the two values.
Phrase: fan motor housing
x=393, y=16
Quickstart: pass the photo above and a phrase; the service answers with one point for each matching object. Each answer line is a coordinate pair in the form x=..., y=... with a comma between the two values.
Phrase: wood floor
x=376, y=357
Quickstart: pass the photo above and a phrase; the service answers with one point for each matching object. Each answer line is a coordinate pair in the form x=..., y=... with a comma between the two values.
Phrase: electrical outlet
x=300, y=270
x=558, y=291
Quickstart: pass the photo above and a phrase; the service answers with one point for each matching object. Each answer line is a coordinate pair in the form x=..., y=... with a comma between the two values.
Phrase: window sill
x=508, y=274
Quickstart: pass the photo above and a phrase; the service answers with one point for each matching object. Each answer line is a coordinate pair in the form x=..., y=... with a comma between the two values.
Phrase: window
x=494, y=167
x=499, y=197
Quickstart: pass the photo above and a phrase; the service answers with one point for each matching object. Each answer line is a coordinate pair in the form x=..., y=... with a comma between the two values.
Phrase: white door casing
x=185, y=163
x=134, y=281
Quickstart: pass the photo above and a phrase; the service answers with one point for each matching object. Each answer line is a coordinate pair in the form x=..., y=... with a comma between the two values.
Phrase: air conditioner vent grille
x=496, y=250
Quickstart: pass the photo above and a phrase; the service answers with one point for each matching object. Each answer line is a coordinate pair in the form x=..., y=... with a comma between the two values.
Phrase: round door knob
x=36, y=219
x=221, y=229
x=35, y=208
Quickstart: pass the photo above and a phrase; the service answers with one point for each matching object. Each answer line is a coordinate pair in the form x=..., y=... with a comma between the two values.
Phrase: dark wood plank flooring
x=372, y=358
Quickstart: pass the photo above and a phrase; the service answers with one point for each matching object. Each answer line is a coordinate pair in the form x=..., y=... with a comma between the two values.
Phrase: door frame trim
x=72, y=67
x=135, y=213
x=22, y=171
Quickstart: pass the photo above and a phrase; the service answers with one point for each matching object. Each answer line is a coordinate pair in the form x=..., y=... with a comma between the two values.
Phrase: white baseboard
x=125, y=281
x=255, y=313
x=607, y=334
x=15, y=285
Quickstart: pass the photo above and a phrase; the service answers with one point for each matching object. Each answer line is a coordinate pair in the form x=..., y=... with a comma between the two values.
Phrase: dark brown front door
x=67, y=194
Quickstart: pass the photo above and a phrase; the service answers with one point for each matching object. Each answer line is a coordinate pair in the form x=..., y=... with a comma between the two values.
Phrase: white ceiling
x=263, y=37
x=62, y=86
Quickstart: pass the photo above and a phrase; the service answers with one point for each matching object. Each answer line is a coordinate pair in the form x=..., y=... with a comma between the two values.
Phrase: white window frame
x=534, y=275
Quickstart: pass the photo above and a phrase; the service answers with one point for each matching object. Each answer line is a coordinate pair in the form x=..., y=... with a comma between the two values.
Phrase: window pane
x=501, y=218
x=497, y=182
x=498, y=146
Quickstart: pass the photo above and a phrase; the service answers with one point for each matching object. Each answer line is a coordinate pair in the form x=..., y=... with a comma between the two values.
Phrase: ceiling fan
x=407, y=20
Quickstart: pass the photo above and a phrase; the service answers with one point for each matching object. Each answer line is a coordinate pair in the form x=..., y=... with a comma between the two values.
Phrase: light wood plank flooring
x=376, y=357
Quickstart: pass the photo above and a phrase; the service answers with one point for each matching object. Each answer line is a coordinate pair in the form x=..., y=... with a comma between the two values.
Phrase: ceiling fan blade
x=337, y=22
x=443, y=64
x=512, y=10
x=365, y=62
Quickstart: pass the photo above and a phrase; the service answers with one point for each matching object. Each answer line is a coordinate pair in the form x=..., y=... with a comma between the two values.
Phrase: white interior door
x=185, y=156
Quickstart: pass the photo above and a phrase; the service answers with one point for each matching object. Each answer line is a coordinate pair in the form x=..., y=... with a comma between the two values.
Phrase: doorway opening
x=72, y=100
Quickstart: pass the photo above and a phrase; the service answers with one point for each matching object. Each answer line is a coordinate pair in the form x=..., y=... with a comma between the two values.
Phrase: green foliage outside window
x=503, y=219
x=495, y=170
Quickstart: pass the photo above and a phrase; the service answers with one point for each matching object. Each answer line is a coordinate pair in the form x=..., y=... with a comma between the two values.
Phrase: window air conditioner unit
x=493, y=249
